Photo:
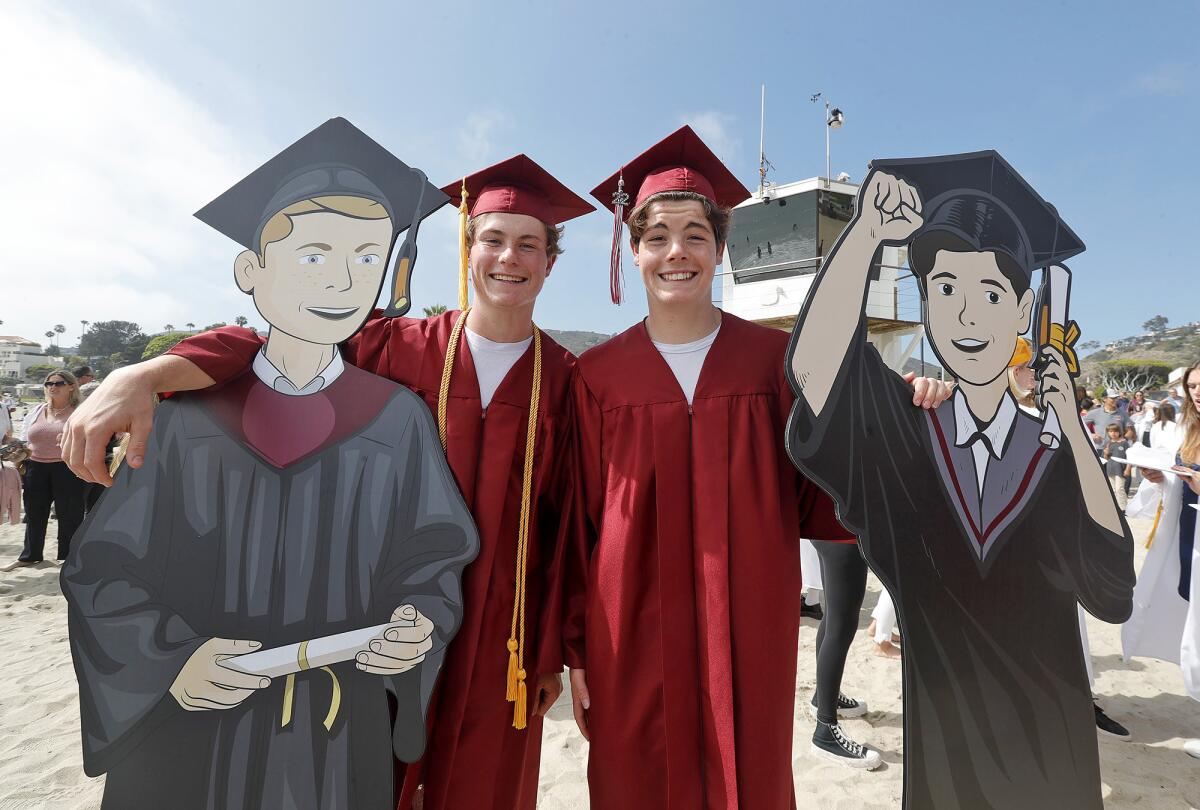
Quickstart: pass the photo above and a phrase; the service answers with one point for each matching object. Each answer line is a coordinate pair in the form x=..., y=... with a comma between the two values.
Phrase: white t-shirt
x=686, y=360
x=493, y=361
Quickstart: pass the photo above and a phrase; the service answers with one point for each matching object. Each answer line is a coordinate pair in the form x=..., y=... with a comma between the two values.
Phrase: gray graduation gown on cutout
x=207, y=540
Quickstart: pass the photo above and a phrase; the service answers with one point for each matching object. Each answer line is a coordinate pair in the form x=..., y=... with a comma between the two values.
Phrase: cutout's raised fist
x=891, y=207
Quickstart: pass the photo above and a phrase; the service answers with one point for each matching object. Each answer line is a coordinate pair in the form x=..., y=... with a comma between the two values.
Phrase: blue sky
x=130, y=116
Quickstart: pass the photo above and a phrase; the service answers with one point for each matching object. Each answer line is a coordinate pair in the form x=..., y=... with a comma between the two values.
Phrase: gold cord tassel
x=510, y=693
x=521, y=708
x=463, y=251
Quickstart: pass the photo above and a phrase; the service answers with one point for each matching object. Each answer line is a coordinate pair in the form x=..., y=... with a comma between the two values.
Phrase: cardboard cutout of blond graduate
x=291, y=550
x=986, y=524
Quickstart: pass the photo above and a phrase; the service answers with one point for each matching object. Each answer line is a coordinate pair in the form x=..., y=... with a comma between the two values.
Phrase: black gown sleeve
x=1093, y=562
x=127, y=643
x=867, y=436
x=432, y=539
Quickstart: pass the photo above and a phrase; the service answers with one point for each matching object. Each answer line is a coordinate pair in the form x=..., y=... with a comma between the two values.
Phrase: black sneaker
x=1106, y=725
x=831, y=743
x=846, y=706
x=808, y=611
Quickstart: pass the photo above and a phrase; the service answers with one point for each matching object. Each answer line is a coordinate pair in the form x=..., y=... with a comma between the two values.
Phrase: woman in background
x=47, y=479
x=1164, y=433
x=1166, y=601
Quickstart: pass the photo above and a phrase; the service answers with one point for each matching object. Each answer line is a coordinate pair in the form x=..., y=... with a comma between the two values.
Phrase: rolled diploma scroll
x=317, y=653
x=1060, y=292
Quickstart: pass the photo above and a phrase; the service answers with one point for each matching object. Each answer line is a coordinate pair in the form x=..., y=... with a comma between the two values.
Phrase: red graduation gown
x=687, y=620
x=474, y=757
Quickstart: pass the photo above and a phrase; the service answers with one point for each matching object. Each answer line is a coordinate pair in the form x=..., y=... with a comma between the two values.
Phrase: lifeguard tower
x=777, y=241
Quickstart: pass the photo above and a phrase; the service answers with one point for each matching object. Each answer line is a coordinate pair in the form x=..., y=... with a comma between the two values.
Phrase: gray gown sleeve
x=432, y=539
x=127, y=644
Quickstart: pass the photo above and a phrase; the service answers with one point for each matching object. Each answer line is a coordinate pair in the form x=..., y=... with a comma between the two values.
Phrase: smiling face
x=320, y=281
x=677, y=253
x=974, y=315
x=1191, y=387
x=509, y=261
x=58, y=390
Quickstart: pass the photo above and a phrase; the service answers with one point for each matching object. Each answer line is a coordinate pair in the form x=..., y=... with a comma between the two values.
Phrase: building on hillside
x=18, y=353
x=776, y=243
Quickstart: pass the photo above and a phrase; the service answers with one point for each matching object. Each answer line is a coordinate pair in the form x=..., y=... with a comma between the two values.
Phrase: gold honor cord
x=516, y=690
x=289, y=688
x=1154, y=528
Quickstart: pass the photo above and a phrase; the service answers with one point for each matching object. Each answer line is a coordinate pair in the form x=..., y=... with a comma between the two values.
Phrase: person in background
x=47, y=478
x=84, y=375
x=1082, y=399
x=1100, y=418
x=1137, y=404
x=1166, y=601
x=1145, y=420
x=1131, y=477
x=6, y=427
x=1116, y=471
x=7, y=402
x=1164, y=432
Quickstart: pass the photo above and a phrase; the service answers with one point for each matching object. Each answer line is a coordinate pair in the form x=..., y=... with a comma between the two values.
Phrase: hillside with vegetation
x=1141, y=361
x=577, y=342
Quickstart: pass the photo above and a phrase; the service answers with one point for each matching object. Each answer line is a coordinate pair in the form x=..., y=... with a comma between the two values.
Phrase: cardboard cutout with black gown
x=985, y=524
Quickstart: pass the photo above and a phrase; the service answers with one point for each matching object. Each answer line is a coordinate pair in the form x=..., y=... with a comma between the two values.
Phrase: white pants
x=884, y=615
x=810, y=570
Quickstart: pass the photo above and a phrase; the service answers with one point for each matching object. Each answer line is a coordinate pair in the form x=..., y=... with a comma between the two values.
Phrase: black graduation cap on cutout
x=980, y=198
x=336, y=158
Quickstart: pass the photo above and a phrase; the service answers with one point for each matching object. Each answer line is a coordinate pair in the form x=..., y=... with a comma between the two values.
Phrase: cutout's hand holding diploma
x=1056, y=391
x=204, y=684
x=402, y=645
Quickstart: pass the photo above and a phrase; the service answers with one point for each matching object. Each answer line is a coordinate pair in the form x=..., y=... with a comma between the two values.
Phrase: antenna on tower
x=763, y=164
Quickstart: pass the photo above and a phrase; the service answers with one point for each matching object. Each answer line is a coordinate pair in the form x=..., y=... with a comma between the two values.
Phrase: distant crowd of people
x=1118, y=420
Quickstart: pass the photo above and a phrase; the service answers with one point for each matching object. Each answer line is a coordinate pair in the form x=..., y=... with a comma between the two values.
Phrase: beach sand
x=41, y=765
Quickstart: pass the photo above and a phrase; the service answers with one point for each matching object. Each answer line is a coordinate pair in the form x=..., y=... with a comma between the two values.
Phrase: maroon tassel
x=615, y=276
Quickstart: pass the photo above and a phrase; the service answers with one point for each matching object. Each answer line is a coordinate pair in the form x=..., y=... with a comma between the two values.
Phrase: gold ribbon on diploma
x=289, y=687
x=1064, y=338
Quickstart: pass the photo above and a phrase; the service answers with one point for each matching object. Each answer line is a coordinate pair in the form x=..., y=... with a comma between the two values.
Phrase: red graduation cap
x=679, y=162
x=513, y=186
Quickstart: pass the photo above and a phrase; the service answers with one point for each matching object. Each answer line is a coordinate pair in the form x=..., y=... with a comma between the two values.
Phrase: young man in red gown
x=683, y=602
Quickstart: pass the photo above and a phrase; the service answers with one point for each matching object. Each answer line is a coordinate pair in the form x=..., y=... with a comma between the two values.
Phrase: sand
x=41, y=766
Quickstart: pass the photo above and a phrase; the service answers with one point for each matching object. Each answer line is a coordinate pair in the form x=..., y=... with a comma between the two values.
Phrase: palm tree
x=436, y=309
x=241, y=320
x=168, y=327
x=51, y=336
x=59, y=329
x=191, y=326
x=83, y=325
